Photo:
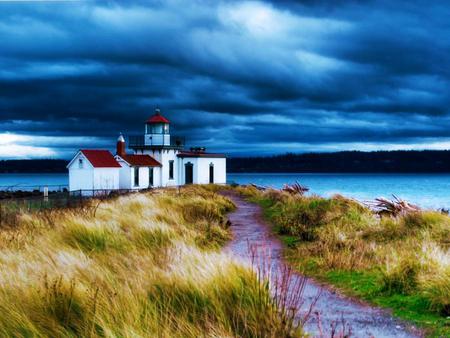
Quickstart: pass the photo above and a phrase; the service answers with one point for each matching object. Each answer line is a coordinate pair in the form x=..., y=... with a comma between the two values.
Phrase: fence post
x=45, y=194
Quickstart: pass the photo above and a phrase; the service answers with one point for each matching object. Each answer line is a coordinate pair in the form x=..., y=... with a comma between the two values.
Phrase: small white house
x=93, y=170
x=158, y=160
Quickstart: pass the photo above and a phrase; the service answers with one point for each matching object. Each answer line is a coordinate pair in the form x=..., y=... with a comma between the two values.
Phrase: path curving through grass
x=331, y=309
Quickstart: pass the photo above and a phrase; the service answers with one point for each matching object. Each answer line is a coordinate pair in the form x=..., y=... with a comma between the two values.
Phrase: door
x=189, y=173
x=150, y=177
x=211, y=173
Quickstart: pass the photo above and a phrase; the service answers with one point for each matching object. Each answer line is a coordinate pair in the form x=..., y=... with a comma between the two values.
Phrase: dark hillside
x=33, y=166
x=347, y=162
x=340, y=162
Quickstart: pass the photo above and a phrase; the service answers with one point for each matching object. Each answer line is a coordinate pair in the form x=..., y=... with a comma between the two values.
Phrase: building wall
x=156, y=177
x=182, y=172
x=143, y=178
x=166, y=156
x=127, y=176
x=124, y=175
x=201, y=169
x=220, y=170
x=163, y=156
x=106, y=178
x=81, y=178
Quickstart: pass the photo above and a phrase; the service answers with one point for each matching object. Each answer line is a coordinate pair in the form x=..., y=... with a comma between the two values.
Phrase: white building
x=94, y=170
x=158, y=160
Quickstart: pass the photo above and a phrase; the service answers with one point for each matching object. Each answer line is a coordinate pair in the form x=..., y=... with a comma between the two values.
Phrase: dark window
x=170, y=170
x=150, y=177
x=211, y=173
x=80, y=163
x=136, y=176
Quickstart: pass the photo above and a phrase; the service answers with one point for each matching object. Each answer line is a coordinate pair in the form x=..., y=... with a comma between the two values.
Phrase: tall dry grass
x=411, y=251
x=139, y=266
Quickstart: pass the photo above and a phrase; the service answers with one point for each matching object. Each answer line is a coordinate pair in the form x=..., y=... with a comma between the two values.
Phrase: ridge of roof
x=100, y=158
x=141, y=160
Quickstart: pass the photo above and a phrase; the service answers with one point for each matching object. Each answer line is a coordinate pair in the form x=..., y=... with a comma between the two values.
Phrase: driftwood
x=394, y=207
x=259, y=187
x=295, y=189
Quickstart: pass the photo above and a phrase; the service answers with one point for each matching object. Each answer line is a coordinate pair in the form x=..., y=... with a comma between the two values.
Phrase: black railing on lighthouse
x=138, y=141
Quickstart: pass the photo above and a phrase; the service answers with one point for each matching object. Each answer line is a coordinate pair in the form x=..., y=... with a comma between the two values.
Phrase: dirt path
x=248, y=227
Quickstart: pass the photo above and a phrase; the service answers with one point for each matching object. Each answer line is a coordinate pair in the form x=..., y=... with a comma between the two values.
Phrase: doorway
x=211, y=173
x=150, y=177
x=189, y=173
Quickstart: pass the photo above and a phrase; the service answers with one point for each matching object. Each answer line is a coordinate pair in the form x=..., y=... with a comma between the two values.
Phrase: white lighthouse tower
x=157, y=131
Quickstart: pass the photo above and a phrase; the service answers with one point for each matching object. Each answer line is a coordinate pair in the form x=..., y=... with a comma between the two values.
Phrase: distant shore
x=427, y=161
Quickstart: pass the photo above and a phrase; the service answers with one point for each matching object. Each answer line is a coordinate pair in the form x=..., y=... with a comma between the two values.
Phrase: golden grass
x=139, y=266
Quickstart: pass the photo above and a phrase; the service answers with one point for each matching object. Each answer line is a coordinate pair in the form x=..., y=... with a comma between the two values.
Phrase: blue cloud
x=275, y=76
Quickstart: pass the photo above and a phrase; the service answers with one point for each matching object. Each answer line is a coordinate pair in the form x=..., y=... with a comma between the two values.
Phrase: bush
x=400, y=275
x=302, y=216
x=436, y=288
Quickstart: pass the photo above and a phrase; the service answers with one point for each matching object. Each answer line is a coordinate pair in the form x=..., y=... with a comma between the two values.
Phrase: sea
x=430, y=191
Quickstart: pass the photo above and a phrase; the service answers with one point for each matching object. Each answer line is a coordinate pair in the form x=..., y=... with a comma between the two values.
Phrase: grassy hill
x=143, y=265
x=397, y=261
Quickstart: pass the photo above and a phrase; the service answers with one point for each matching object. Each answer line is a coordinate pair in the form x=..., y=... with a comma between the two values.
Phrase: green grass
x=366, y=285
x=308, y=228
x=414, y=307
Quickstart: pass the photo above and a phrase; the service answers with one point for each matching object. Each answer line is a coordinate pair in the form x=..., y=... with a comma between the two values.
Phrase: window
x=211, y=173
x=136, y=176
x=80, y=163
x=170, y=170
x=150, y=177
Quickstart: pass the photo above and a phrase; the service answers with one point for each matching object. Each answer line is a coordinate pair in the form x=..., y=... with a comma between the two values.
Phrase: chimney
x=120, y=150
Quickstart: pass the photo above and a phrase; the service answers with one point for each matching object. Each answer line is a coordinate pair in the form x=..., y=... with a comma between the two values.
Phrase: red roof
x=157, y=118
x=142, y=160
x=100, y=158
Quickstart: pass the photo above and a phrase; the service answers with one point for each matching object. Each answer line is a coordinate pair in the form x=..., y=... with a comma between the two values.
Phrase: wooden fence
x=11, y=208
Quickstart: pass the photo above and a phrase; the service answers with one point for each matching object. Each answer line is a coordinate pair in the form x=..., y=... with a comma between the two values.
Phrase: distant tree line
x=33, y=166
x=427, y=161
x=346, y=162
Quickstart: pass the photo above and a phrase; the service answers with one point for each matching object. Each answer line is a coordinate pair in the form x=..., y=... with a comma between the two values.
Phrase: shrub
x=426, y=220
x=400, y=275
x=436, y=288
x=303, y=216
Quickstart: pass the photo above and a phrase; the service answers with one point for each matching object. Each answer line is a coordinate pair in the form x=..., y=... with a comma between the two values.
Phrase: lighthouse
x=157, y=130
x=158, y=160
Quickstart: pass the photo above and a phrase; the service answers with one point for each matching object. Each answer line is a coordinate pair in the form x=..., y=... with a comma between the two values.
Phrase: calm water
x=426, y=190
x=33, y=181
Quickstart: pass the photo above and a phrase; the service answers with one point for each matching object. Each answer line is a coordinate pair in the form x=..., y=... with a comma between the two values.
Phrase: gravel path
x=249, y=229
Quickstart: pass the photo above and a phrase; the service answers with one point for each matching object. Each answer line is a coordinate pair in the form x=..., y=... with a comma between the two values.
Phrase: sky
x=239, y=77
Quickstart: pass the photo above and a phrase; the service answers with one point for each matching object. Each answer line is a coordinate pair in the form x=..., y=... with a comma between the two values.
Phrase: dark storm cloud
x=236, y=76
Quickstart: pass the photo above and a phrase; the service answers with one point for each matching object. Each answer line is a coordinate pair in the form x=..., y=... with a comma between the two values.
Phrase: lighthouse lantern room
x=157, y=130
